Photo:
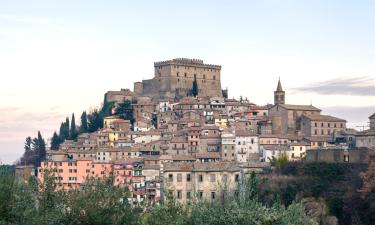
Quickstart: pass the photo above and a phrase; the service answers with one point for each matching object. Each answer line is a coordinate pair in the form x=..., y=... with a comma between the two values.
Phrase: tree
x=55, y=141
x=28, y=155
x=40, y=149
x=125, y=110
x=66, y=128
x=368, y=186
x=83, y=128
x=94, y=121
x=73, y=130
x=195, y=89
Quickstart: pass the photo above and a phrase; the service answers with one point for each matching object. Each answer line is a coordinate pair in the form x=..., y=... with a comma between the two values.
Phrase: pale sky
x=59, y=57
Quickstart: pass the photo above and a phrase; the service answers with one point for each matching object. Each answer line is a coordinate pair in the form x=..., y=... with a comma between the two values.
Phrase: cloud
x=17, y=123
x=356, y=116
x=356, y=86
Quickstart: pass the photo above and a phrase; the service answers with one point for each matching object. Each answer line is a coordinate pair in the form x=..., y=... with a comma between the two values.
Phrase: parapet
x=186, y=62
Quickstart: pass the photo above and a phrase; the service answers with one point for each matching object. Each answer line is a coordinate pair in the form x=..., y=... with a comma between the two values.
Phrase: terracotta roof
x=276, y=147
x=183, y=158
x=208, y=155
x=324, y=118
x=244, y=133
x=300, y=107
x=317, y=138
x=202, y=167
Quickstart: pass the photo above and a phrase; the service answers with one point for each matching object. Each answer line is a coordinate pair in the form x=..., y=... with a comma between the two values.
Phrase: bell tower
x=279, y=94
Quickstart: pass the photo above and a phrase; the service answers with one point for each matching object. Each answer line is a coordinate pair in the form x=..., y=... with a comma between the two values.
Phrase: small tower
x=279, y=94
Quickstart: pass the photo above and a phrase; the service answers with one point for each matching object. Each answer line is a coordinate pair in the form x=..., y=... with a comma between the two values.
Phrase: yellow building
x=298, y=150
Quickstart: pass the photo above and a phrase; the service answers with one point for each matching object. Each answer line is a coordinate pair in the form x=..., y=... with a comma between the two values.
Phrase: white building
x=247, y=146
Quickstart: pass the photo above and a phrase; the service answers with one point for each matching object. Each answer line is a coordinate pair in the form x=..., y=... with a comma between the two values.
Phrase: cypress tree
x=61, y=132
x=55, y=141
x=83, y=127
x=194, y=90
x=28, y=154
x=41, y=149
x=73, y=131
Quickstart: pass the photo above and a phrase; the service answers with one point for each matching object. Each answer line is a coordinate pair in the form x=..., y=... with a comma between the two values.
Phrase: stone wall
x=174, y=79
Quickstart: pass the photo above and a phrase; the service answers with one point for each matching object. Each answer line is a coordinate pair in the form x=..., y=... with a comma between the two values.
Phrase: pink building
x=71, y=174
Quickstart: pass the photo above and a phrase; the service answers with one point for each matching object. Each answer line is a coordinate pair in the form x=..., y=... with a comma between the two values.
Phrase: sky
x=60, y=57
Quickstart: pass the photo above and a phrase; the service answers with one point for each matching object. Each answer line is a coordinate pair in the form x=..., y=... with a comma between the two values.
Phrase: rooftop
x=324, y=118
x=300, y=107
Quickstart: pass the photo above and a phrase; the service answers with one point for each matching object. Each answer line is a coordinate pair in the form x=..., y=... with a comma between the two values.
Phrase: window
x=177, y=73
x=213, y=195
x=225, y=178
x=188, y=177
x=200, y=194
x=322, y=124
x=200, y=178
x=179, y=194
x=300, y=148
x=341, y=125
x=170, y=177
x=316, y=124
x=213, y=178
x=237, y=178
x=214, y=77
x=188, y=195
x=185, y=74
x=179, y=177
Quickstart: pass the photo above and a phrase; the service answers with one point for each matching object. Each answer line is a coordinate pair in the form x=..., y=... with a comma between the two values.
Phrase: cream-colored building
x=206, y=181
x=298, y=150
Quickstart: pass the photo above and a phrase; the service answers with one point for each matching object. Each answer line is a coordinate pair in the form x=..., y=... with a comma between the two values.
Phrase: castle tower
x=279, y=94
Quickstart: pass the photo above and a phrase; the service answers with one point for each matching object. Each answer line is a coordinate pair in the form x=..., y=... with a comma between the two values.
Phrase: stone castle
x=173, y=79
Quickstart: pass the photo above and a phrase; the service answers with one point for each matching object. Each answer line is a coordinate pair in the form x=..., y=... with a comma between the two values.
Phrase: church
x=305, y=120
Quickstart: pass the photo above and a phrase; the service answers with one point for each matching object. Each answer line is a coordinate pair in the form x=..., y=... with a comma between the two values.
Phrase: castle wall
x=174, y=78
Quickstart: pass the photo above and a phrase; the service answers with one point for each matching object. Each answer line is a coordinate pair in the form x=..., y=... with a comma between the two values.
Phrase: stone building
x=321, y=125
x=188, y=181
x=119, y=96
x=337, y=155
x=279, y=94
x=366, y=138
x=174, y=79
x=372, y=121
x=286, y=117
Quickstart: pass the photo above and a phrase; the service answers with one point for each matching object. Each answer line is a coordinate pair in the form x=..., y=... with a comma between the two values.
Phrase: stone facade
x=321, y=125
x=174, y=79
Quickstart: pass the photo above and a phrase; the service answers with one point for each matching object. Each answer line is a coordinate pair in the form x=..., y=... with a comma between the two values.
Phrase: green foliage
x=102, y=203
x=73, y=130
x=35, y=151
x=279, y=162
x=95, y=121
x=195, y=90
x=324, y=171
x=55, y=141
x=125, y=111
x=83, y=128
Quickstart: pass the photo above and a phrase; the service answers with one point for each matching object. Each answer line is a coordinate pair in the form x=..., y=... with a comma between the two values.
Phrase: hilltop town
x=179, y=133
